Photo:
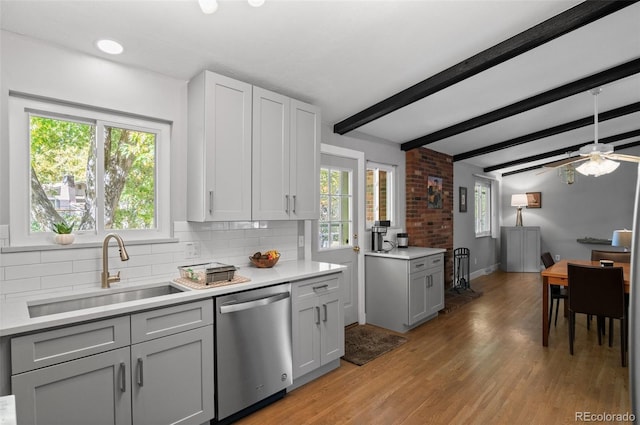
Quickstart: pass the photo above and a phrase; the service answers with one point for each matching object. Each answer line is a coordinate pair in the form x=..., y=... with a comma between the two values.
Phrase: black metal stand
x=461, y=280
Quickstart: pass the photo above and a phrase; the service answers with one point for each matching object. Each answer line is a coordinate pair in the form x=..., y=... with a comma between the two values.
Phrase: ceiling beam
x=610, y=139
x=563, y=23
x=578, y=86
x=535, y=167
x=551, y=131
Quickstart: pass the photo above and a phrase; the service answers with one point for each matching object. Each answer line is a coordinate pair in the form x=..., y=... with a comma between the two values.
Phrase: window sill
x=82, y=245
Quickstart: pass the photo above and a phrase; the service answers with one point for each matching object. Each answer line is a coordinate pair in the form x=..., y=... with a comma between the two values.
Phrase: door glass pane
x=335, y=182
x=335, y=209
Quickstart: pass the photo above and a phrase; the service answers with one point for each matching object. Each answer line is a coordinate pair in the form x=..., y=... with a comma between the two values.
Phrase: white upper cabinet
x=305, y=156
x=271, y=147
x=219, y=149
x=286, y=149
x=252, y=154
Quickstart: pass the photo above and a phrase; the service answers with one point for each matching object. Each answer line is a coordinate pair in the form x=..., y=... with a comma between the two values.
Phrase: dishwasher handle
x=232, y=306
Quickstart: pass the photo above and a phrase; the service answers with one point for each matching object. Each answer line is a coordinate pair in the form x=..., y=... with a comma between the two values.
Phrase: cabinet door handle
x=436, y=261
x=420, y=265
x=324, y=308
x=123, y=377
x=140, y=372
x=317, y=315
x=286, y=198
x=325, y=286
x=294, y=204
x=210, y=202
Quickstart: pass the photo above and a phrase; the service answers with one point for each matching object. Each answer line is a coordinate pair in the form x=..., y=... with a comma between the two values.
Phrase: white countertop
x=407, y=253
x=14, y=316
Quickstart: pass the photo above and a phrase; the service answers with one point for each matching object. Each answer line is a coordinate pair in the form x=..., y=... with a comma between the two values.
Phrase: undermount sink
x=63, y=306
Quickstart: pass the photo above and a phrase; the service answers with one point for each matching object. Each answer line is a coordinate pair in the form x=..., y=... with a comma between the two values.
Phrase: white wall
x=484, y=252
x=40, y=69
x=37, y=68
x=592, y=206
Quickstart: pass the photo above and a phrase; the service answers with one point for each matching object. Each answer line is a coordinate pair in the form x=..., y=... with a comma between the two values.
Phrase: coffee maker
x=378, y=231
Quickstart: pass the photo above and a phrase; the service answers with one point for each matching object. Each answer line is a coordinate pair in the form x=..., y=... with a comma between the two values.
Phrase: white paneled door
x=335, y=234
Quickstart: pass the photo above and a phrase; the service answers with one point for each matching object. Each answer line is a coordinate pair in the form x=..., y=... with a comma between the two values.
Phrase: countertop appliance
x=378, y=231
x=403, y=240
x=253, y=350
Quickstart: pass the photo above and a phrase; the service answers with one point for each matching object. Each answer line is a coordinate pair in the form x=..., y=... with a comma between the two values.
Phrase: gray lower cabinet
x=167, y=377
x=520, y=249
x=89, y=390
x=172, y=379
x=401, y=294
x=317, y=325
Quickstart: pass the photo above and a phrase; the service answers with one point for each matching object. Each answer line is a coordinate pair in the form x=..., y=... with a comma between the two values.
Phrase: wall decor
x=462, y=199
x=434, y=192
x=534, y=200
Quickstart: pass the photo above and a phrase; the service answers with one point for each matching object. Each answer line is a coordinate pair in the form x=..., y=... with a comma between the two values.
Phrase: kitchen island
x=404, y=287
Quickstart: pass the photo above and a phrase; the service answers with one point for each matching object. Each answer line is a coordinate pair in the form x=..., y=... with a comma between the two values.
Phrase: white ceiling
x=348, y=55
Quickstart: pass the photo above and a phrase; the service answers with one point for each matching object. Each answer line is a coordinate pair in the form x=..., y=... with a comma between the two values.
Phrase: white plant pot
x=65, y=239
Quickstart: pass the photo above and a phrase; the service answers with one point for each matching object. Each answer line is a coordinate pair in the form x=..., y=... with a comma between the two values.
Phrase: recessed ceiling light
x=208, y=6
x=256, y=3
x=111, y=47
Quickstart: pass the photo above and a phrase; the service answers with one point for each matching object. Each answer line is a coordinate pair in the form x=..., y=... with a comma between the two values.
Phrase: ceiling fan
x=596, y=158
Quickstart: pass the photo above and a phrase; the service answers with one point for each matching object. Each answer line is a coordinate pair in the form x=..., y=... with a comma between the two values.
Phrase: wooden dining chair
x=617, y=257
x=557, y=292
x=598, y=291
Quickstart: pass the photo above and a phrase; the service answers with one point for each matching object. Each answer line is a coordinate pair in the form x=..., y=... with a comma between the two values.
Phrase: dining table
x=558, y=275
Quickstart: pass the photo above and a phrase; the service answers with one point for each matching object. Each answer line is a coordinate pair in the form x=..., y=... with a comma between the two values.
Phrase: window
x=97, y=171
x=336, y=200
x=380, y=193
x=482, y=208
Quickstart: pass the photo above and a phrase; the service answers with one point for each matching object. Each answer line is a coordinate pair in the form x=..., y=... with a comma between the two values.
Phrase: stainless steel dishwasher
x=253, y=349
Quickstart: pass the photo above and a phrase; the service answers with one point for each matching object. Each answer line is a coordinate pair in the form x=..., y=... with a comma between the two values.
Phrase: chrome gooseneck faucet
x=106, y=278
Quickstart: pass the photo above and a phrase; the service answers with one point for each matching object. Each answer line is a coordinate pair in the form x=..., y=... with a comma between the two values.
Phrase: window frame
x=392, y=203
x=20, y=110
x=483, y=232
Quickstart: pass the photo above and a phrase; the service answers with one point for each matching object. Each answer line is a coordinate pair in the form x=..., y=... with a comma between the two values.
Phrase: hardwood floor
x=482, y=364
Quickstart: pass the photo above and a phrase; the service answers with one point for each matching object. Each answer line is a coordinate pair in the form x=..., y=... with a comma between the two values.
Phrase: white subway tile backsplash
x=19, y=258
x=34, y=270
x=94, y=264
x=20, y=285
x=70, y=280
x=64, y=255
x=28, y=275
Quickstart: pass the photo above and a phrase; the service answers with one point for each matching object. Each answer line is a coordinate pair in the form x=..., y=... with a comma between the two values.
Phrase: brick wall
x=430, y=227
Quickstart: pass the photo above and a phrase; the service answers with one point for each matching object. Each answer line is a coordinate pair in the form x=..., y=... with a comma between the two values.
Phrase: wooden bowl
x=264, y=263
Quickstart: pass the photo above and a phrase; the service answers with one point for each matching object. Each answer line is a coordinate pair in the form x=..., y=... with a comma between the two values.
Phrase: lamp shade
x=622, y=238
x=519, y=200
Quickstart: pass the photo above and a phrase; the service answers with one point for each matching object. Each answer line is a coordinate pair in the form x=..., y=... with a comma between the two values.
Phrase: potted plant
x=63, y=233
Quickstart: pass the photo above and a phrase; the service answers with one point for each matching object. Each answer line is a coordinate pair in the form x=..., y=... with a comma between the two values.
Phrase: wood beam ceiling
x=578, y=86
x=563, y=23
x=551, y=131
x=568, y=149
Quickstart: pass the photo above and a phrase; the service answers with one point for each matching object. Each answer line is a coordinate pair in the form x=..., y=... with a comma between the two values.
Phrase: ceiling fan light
x=208, y=6
x=600, y=148
x=597, y=167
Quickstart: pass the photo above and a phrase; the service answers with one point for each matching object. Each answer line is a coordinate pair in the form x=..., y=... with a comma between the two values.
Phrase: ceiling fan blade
x=622, y=157
x=562, y=162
